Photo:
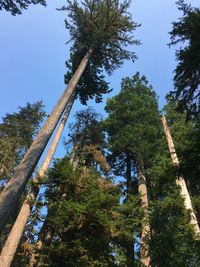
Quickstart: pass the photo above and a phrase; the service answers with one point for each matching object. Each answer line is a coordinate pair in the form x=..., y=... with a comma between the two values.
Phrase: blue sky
x=33, y=51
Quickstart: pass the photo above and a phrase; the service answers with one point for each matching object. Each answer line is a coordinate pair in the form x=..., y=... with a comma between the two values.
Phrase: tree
x=15, y=7
x=187, y=76
x=180, y=181
x=15, y=235
x=17, y=132
x=85, y=147
x=80, y=207
x=185, y=134
x=133, y=128
x=102, y=38
x=171, y=231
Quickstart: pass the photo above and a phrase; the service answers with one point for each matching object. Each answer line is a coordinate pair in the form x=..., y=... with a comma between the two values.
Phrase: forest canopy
x=123, y=191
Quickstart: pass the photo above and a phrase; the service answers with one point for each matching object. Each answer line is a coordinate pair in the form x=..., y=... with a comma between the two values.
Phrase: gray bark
x=15, y=187
x=13, y=240
x=145, y=234
x=180, y=181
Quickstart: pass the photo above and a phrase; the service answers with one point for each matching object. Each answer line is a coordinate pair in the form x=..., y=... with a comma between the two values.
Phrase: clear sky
x=33, y=51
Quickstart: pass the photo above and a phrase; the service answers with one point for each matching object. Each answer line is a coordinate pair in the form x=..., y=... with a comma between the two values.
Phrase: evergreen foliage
x=80, y=207
x=17, y=132
x=104, y=28
x=186, y=138
x=133, y=128
x=15, y=7
x=170, y=222
x=187, y=77
x=133, y=124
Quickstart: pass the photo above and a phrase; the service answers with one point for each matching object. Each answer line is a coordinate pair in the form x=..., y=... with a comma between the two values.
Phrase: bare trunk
x=10, y=247
x=15, y=187
x=180, y=181
x=144, y=247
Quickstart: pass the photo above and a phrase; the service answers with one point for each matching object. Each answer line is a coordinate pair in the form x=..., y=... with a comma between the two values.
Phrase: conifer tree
x=85, y=132
x=80, y=210
x=100, y=30
x=15, y=235
x=17, y=132
x=180, y=181
x=15, y=7
x=133, y=127
x=171, y=232
x=187, y=78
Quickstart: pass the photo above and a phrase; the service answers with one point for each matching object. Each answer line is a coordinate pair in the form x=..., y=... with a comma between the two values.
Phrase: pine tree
x=15, y=235
x=133, y=127
x=17, y=131
x=101, y=38
x=80, y=211
x=187, y=77
x=15, y=7
x=171, y=231
x=180, y=181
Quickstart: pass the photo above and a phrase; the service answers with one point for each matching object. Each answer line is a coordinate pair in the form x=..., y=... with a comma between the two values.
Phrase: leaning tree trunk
x=14, y=189
x=12, y=242
x=144, y=247
x=180, y=181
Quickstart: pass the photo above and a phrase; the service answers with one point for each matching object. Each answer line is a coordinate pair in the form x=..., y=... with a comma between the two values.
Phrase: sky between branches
x=33, y=54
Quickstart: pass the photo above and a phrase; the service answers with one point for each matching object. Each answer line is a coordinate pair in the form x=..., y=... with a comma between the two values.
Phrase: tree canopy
x=15, y=7
x=187, y=77
x=105, y=28
x=17, y=132
x=133, y=124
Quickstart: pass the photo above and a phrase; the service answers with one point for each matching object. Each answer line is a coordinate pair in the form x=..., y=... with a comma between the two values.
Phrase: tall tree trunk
x=130, y=251
x=15, y=187
x=144, y=247
x=10, y=247
x=180, y=181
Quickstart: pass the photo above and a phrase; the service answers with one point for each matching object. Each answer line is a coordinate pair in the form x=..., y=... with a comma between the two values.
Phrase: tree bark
x=15, y=187
x=144, y=247
x=12, y=242
x=180, y=181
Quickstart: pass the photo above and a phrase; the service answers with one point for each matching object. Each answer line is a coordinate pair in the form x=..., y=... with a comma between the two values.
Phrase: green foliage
x=187, y=76
x=86, y=129
x=87, y=140
x=185, y=135
x=172, y=241
x=80, y=210
x=17, y=131
x=103, y=27
x=133, y=124
x=15, y=7
x=127, y=231
x=172, y=237
x=91, y=84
